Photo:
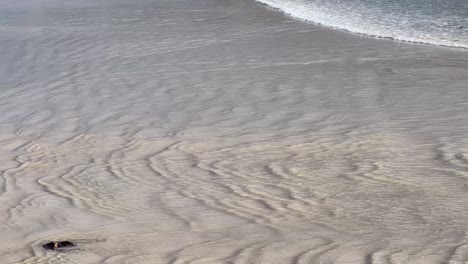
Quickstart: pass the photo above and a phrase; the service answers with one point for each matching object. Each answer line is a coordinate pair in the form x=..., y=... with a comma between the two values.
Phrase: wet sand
x=225, y=132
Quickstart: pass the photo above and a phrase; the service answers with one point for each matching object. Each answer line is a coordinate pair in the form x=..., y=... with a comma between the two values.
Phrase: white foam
x=373, y=22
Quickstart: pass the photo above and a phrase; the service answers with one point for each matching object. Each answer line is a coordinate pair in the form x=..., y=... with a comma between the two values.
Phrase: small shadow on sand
x=59, y=245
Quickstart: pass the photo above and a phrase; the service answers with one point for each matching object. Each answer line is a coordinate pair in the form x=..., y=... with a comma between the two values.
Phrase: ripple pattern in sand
x=224, y=201
x=220, y=132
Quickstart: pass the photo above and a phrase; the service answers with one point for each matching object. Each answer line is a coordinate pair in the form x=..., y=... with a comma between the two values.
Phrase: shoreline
x=371, y=35
x=225, y=132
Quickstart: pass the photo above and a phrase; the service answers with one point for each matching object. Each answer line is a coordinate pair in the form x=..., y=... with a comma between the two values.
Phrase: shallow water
x=423, y=21
x=223, y=132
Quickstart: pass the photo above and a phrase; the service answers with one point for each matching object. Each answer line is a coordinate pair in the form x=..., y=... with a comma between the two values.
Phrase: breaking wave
x=443, y=23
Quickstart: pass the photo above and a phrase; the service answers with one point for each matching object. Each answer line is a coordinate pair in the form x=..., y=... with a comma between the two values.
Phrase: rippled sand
x=223, y=132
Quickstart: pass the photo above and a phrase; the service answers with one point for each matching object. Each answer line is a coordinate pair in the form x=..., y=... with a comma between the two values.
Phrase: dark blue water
x=436, y=22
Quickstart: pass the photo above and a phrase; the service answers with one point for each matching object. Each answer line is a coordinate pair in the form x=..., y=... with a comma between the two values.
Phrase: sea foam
x=429, y=22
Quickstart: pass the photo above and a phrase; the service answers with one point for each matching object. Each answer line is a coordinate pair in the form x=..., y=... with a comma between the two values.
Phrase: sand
x=225, y=132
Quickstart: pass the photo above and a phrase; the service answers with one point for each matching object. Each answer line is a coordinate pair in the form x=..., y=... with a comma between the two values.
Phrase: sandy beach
x=220, y=131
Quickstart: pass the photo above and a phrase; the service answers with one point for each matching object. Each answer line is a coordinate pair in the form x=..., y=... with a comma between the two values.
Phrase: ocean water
x=423, y=21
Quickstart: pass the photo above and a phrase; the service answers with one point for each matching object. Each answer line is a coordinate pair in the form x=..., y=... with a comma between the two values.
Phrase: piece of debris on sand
x=58, y=245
